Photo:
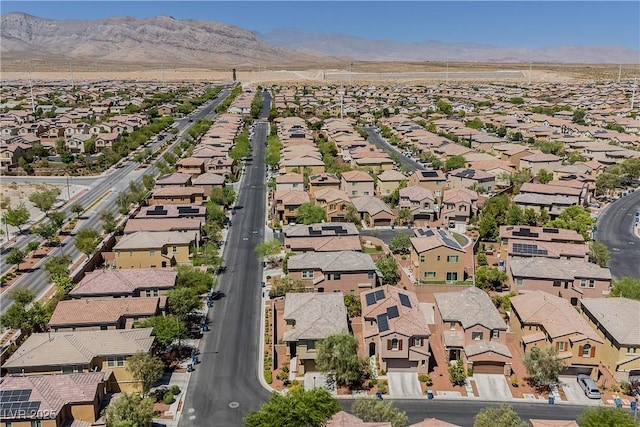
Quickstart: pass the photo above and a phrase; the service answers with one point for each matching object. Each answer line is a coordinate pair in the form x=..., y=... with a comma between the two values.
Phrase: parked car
x=589, y=386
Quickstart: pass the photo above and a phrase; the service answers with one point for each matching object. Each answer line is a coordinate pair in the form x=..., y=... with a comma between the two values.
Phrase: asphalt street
x=378, y=140
x=224, y=387
x=111, y=184
x=615, y=229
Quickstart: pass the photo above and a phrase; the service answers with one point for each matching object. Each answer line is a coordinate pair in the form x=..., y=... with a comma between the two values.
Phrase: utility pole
x=633, y=94
x=350, y=65
x=68, y=191
x=619, y=73
x=33, y=104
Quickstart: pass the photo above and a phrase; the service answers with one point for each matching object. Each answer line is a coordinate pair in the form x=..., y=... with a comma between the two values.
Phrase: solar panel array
x=7, y=396
x=404, y=300
x=392, y=312
x=430, y=174
x=157, y=210
x=523, y=248
x=373, y=297
x=525, y=232
x=17, y=410
x=551, y=230
x=448, y=241
x=187, y=210
x=383, y=323
x=379, y=294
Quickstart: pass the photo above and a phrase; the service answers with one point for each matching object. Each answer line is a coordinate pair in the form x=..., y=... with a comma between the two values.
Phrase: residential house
x=539, y=319
x=310, y=164
x=310, y=318
x=53, y=400
x=335, y=202
x=191, y=226
x=290, y=181
x=476, y=179
x=76, y=144
x=614, y=320
x=357, y=183
x=208, y=181
x=177, y=196
x=436, y=257
x=321, y=237
x=373, y=211
x=433, y=180
x=420, y=202
x=191, y=165
x=286, y=204
x=172, y=211
x=345, y=419
x=533, y=235
x=537, y=162
x=175, y=179
x=106, y=140
x=125, y=283
x=82, y=351
x=472, y=330
x=395, y=330
x=458, y=206
x=152, y=249
x=573, y=279
x=388, y=182
x=321, y=181
x=94, y=314
x=344, y=271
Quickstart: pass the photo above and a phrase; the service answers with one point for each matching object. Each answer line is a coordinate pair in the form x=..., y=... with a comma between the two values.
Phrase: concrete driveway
x=404, y=384
x=492, y=386
x=573, y=391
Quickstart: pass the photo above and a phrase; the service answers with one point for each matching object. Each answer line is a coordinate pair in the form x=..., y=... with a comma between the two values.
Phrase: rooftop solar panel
x=383, y=323
x=7, y=396
x=550, y=230
x=392, y=312
x=371, y=298
x=379, y=294
x=404, y=300
x=19, y=410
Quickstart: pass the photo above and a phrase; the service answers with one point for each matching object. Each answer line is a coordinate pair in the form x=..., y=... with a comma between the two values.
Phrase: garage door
x=381, y=222
x=575, y=370
x=401, y=365
x=488, y=368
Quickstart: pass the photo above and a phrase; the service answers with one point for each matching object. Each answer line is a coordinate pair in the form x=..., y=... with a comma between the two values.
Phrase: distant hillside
x=358, y=48
x=161, y=39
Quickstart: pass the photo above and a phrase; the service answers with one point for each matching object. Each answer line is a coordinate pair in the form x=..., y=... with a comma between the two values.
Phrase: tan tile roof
x=289, y=178
x=341, y=261
x=153, y=240
x=93, y=311
x=615, y=315
x=556, y=315
x=552, y=423
x=55, y=391
x=469, y=307
x=176, y=178
x=331, y=194
x=357, y=176
x=433, y=422
x=391, y=175
x=345, y=419
x=316, y=315
x=560, y=269
x=124, y=281
x=416, y=193
x=78, y=348
x=433, y=238
x=292, y=197
x=162, y=224
x=539, y=233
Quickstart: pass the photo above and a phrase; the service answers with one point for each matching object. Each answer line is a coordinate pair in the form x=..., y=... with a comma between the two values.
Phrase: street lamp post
x=314, y=381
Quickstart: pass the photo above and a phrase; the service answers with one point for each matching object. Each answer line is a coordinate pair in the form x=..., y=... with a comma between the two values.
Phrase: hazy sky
x=500, y=23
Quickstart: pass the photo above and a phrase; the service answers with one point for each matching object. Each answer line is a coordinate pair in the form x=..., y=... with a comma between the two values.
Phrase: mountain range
x=210, y=44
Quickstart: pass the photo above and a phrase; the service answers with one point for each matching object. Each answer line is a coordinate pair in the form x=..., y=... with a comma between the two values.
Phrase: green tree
x=606, y=416
x=87, y=240
x=351, y=215
x=129, y=410
x=373, y=410
x=575, y=157
x=502, y=416
x=455, y=162
x=490, y=277
x=530, y=217
x=543, y=365
x=183, y=301
x=457, y=375
x=404, y=215
x=241, y=148
x=16, y=217
x=57, y=266
x=149, y=182
x=338, y=354
x=517, y=100
x=222, y=196
x=45, y=230
x=44, y=199
x=627, y=287
x=57, y=219
x=299, y=407
x=606, y=181
x=16, y=257
x=310, y=213
x=444, y=108
x=77, y=209
x=191, y=277
x=32, y=246
x=21, y=296
x=353, y=304
x=269, y=250
x=544, y=176
x=578, y=116
x=146, y=369
x=599, y=253
x=123, y=201
x=388, y=267
x=488, y=228
x=109, y=223
x=401, y=243
x=515, y=216
x=166, y=329
x=575, y=218
x=63, y=285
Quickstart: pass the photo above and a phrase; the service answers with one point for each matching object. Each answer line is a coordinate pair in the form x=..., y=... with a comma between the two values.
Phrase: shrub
x=615, y=389
x=267, y=376
x=168, y=398
x=175, y=389
x=382, y=386
x=295, y=383
x=383, y=372
x=514, y=381
x=373, y=382
x=424, y=378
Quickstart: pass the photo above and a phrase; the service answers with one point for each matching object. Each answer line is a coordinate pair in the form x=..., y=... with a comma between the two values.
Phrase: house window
x=337, y=276
x=452, y=258
x=328, y=276
x=557, y=284
x=354, y=193
x=416, y=342
x=518, y=281
x=462, y=208
x=130, y=254
x=561, y=346
x=111, y=362
x=370, y=275
x=422, y=258
x=452, y=326
x=103, y=327
x=36, y=423
x=295, y=185
x=366, y=193
x=311, y=344
x=438, y=258
x=632, y=350
x=587, y=283
x=332, y=207
x=394, y=344
x=152, y=253
x=586, y=350
x=307, y=274
x=476, y=336
x=429, y=274
x=495, y=333
x=452, y=276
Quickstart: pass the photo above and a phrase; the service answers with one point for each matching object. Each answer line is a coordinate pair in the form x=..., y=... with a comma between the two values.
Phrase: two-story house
x=322, y=181
x=290, y=181
x=420, y=202
x=191, y=165
x=458, y=206
x=357, y=183
x=125, y=283
x=152, y=249
x=373, y=211
x=395, y=330
x=433, y=180
x=474, y=178
x=388, y=182
x=472, y=330
x=436, y=257
x=321, y=237
x=615, y=322
x=82, y=351
x=177, y=196
x=310, y=318
x=345, y=271
x=539, y=319
x=335, y=202
x=286, y=204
